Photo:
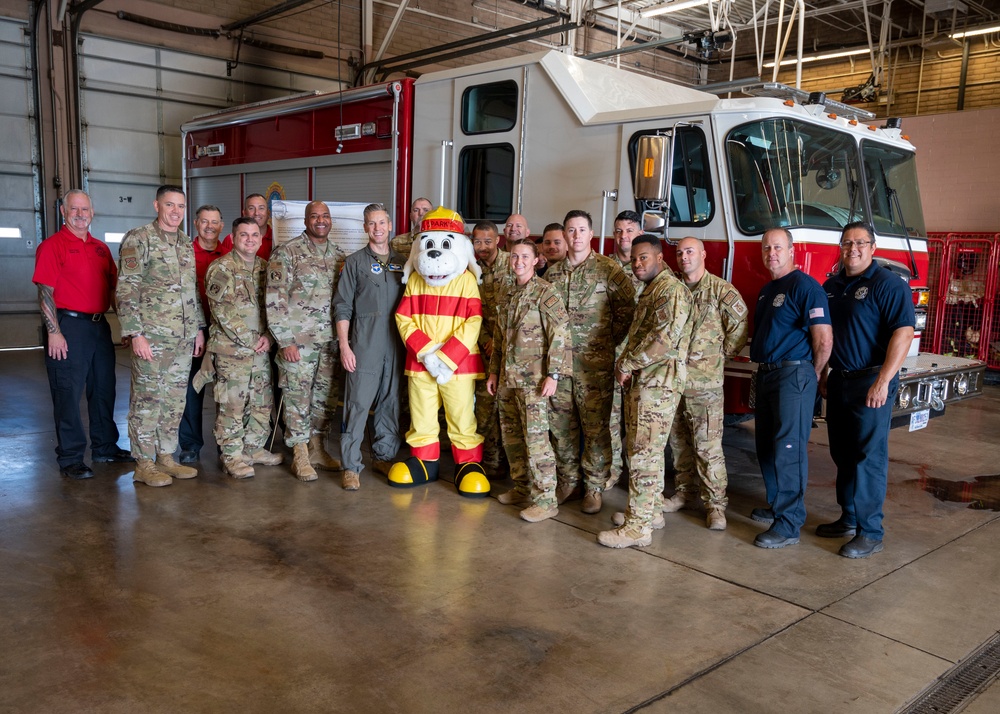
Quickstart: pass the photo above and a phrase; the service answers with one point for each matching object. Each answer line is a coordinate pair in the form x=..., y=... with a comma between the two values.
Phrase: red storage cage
x=967, y=295
x=935, y=282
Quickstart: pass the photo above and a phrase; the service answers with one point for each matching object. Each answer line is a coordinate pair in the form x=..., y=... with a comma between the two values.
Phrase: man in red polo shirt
x=76, y=278
x=255, y=207
x=207, y=247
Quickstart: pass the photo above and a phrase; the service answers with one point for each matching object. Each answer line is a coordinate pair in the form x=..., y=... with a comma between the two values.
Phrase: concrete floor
x=271, y=595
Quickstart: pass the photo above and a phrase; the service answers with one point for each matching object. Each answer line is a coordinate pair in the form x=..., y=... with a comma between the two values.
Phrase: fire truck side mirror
x=653, y=222
x=652, y=168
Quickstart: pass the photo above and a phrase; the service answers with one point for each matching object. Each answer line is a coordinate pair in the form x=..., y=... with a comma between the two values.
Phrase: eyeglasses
x=859, y=244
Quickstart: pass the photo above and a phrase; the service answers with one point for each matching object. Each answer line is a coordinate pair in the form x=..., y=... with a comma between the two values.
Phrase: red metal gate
x=964, y=302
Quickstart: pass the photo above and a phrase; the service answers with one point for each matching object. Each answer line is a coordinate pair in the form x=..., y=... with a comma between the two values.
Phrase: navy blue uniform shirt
x=865, y=311
x=786, y=309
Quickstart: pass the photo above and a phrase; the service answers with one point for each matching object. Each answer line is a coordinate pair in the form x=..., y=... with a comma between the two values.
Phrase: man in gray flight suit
x=371, y=351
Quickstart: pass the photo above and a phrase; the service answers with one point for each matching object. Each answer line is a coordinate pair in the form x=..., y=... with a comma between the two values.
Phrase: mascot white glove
x=435, y=365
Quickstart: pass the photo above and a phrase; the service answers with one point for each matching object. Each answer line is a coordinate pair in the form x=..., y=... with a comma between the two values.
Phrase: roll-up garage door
x=135, y=99
x=20, y=220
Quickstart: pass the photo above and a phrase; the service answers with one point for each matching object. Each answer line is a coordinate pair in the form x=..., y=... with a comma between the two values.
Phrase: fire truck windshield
x=790, y=173
x=891, y=181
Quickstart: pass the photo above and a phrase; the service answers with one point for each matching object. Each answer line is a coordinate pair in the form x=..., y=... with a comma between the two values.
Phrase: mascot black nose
x=434, y=254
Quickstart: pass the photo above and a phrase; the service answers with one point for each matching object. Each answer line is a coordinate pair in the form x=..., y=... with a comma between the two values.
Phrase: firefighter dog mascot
x=439, y=319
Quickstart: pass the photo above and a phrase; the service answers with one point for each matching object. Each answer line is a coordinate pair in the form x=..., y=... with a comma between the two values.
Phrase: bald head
x=516, y=228
x=691, y=259
x=318, y=221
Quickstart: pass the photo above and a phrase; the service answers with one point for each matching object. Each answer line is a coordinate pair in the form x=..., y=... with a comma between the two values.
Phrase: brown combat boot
x=301, y=467
x=147, y=473
x=319, y=456
x=351, y=480
x=716, y=518
x=592, y=502
x=237, y=467
x=166, y=464
x=265, y=457
x=381, y=467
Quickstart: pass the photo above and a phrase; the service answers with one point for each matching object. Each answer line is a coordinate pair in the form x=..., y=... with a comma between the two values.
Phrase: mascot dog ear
x=467, y=253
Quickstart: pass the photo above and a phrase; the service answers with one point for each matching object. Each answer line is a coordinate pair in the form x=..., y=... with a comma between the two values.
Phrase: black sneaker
x=118, y=456
x=187, y=457
x=77, y=471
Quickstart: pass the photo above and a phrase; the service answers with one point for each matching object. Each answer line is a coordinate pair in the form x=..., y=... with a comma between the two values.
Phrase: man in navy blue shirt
x=791, y=345
x=871, y=309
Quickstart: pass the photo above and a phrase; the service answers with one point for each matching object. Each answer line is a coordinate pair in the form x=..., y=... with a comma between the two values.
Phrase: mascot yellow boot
x=439, y=319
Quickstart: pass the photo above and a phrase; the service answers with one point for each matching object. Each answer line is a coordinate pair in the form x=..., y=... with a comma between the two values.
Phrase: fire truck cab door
x=481, y=115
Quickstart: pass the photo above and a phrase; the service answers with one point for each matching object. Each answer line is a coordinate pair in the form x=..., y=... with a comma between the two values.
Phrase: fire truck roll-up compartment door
x=20, y=217
x=367, y=182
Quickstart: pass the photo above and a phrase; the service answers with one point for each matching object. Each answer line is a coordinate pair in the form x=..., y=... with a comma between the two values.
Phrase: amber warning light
x=648, y=168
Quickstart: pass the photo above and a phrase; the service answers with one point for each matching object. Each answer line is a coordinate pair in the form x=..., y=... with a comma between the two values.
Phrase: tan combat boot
x=625, y=537
x=565, y=492
x=265, y=457
x=534, y=514
x=301, y=467
x=166, y=464
x=513, y=497
x=319, y=456
x=676, y=502
x=716, y=518
x=592, y=502
x=147, y=473
x=351, y=480
x=237, y=467
x=658, y=520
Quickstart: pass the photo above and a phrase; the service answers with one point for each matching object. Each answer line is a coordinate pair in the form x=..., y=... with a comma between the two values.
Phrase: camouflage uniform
x=158, y=299
x=301, y=281
x=497, y=280
x=618, y=401
x=600, y=301
x=718, y=331
x=655, y=354
x=403, y=242
x=243, y=377
x=531, y=340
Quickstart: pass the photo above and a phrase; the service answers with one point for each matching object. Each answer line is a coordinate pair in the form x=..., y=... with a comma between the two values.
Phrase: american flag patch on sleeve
x=815, y=312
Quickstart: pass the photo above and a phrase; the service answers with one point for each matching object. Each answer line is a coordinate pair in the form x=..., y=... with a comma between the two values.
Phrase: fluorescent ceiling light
x=672, y=7
x=817, y=58
x=974, y=32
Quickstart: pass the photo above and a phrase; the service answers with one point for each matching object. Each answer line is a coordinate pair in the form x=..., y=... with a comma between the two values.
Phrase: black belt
x=93, y=317
x=852, y=374
x=771, y=366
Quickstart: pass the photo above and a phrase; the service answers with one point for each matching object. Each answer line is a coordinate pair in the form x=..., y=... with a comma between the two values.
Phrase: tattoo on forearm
x=47, y=304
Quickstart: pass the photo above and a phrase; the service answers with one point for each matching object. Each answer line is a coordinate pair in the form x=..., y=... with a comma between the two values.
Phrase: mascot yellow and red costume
x=439, y=319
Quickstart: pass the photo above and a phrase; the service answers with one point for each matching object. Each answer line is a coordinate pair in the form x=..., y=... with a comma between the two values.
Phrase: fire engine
x=548, y=132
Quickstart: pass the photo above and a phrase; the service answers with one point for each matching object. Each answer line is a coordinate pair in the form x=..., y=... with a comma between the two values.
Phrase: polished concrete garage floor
x=271, y=595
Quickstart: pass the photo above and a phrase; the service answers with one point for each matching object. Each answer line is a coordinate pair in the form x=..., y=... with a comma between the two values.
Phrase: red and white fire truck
x=545, y=133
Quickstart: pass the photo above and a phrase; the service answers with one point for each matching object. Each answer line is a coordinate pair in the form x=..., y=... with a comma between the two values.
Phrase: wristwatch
x=554, y=375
